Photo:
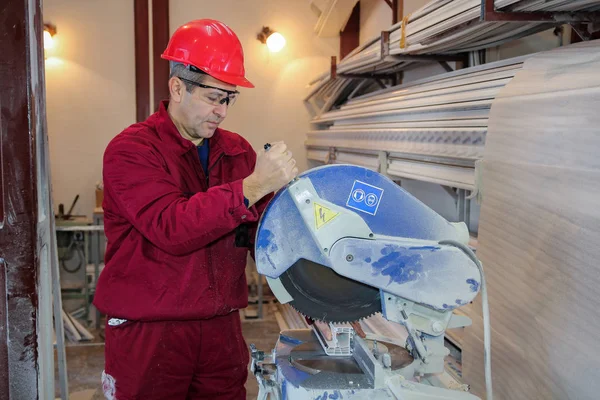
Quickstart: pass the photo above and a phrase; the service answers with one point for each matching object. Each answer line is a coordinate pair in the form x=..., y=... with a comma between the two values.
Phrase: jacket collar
x=222, y=140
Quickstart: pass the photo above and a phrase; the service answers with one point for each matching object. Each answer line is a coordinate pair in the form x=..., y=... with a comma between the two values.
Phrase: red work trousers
x=176, y=360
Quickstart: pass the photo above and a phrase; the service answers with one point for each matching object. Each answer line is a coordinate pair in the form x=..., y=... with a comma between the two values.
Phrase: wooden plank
x=291, y=317
x=70, y=327
x=85, y=334
x=160, y=39
x=142, y=60
x=539, y=232
x=280, y=321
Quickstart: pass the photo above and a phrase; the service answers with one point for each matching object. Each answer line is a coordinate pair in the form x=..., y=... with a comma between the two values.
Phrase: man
x=182, y=198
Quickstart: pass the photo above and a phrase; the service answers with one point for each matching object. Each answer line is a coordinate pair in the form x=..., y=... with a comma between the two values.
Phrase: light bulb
x=48, y=40
x=275, y=42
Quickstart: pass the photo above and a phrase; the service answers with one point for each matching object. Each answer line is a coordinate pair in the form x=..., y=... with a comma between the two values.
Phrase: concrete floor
x=86, y=362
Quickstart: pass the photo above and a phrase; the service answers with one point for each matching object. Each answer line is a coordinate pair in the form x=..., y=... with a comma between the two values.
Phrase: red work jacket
x=171, y=230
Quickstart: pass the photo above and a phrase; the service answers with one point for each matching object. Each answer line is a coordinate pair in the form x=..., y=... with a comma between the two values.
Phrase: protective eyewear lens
x=229, y=98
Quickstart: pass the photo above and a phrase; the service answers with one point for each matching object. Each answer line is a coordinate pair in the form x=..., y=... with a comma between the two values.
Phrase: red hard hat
x=210, y=46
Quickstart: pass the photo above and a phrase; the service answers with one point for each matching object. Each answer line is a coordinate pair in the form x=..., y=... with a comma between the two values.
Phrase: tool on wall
x=61, y=209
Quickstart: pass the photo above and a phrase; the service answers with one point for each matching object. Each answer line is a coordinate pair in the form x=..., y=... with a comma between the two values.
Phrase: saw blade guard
x=391, y=234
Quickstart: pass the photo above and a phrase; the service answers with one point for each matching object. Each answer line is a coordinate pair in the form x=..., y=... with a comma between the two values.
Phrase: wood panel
x=142, y=60
x=539, y=232
x=160, y=39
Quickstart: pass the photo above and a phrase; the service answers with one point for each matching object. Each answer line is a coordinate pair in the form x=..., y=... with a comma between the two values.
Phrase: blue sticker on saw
x=365, y=197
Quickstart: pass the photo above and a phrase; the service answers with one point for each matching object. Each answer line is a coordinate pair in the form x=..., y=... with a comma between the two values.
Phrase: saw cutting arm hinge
x=425, y=327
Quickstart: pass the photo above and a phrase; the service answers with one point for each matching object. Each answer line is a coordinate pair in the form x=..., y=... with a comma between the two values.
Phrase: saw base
x=299, y=368
x=304, y=369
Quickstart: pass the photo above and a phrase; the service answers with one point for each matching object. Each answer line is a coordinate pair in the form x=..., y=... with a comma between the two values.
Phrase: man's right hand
x=274, y=169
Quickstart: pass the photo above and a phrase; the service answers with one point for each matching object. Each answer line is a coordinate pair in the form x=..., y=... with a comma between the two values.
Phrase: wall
x=376, y=16
x=273, y=110
x=542, y=41
x=90, y=80
x=90, y=83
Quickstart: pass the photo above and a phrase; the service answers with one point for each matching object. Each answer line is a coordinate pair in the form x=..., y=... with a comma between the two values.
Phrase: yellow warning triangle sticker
x=323, y=215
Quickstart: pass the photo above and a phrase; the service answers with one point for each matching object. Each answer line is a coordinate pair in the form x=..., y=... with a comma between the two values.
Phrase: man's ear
x=176, y=89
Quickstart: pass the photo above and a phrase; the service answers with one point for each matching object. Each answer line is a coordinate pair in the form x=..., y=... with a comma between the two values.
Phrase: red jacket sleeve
x=153, y=203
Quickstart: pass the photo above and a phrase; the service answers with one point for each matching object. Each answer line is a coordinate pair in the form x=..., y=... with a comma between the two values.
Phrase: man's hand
x=274, y=169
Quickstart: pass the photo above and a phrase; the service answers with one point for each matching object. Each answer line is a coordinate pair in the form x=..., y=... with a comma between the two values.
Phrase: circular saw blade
x=322, y=294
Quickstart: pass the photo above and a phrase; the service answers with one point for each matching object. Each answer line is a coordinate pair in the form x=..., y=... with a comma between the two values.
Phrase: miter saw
x=341, y=243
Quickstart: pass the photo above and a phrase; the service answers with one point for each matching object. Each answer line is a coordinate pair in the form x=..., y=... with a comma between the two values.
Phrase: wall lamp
x=49, y=32
x=274, y=40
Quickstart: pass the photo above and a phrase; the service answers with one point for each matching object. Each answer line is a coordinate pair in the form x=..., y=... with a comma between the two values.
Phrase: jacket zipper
x=210, y=168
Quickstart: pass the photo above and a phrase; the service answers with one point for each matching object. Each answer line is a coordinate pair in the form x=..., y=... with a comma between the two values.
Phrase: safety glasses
x=215, y=99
